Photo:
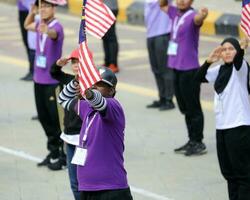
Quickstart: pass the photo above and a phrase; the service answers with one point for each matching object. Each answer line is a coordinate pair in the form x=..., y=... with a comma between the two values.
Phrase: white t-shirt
x=232, y=106
x=70, y=139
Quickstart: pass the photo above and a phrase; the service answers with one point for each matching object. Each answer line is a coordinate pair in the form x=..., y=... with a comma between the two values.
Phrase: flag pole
x=39, y=8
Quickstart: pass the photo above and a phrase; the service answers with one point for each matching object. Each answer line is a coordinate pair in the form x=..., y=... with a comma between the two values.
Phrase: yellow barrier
x=75, y=7
x=208, y=26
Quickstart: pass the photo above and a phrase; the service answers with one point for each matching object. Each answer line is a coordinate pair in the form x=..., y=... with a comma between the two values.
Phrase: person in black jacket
x=72, y=122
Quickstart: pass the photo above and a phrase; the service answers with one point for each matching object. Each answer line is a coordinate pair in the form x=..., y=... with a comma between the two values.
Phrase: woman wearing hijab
x=232, y=109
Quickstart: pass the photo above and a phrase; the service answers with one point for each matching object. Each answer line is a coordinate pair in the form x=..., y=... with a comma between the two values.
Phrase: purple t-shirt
x=21, y=6
x=156, y=21
x=52, y=52
x=187, y=39
x=104, y=166
x=24, y=5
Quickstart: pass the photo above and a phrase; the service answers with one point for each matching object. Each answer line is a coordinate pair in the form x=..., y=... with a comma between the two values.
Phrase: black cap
x=107, y=76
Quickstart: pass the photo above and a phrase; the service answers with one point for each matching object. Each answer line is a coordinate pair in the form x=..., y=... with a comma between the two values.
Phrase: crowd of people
x=94, y=122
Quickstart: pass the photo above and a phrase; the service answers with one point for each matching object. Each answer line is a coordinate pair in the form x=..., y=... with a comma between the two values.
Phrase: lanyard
x=43, y=37
x=178, y=22
x=88, y=124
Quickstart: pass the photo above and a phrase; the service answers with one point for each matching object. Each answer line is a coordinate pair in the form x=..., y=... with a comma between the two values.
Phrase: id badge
x=41, y=61
x=172, y=48
x=79, y=157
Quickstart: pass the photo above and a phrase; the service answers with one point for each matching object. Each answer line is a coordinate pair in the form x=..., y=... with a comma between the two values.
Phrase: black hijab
x=226, y=69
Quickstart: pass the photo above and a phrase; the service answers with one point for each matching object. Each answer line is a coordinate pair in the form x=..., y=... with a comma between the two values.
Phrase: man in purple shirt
x=99, y=156
x=48, y=50
x=183, y=58
x=158, y=26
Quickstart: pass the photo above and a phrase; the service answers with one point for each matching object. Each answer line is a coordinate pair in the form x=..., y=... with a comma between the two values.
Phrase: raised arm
x=96, y=100
x=43, y=28
x=213, y=57
x=238, y=59
x=57, y=73
x=200, y=16
x=29, y=23
x=67, y=98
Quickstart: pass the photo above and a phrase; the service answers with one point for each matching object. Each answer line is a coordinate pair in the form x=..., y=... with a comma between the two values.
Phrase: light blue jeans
x=70, y=149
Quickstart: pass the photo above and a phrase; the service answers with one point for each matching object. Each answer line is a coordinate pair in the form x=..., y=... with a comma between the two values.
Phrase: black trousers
x=122, y=194
x=233, y=149
x=187, y=92
x=110, y=45
x=46, y=104
x=30, y=53
x=21, y=18
x=157, y=48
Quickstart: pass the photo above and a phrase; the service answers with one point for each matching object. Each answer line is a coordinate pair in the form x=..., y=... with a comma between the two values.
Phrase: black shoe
x=197, y=148
x=34, y=117
x=168, y=105
x=27, y=77
x=183, y=149
x=57, y=164
x=155, y=104
x=45, y=162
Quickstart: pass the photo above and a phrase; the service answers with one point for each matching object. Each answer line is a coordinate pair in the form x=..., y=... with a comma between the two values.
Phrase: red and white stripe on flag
x=88, y=74
x=245, y=19
x=99, y=18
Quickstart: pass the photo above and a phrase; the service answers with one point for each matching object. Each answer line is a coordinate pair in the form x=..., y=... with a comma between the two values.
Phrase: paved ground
x=154, y=171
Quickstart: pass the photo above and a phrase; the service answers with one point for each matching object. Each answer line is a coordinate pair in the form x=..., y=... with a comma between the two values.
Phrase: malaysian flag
x=99, y=18
x=88, y=74
x=245, y=17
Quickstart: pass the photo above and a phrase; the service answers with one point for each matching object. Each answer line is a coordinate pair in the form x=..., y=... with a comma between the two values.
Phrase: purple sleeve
x=114, y=112
x=172, y=11
x=59, y=30
x=193, y=16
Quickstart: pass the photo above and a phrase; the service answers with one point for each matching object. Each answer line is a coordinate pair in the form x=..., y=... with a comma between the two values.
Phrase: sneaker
x=197, y=148
x=183, y=149
x=155, y=104
x=45, y=162
x=168, y=105
x=114, y=68
x=57, y=164
x=27, y=77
